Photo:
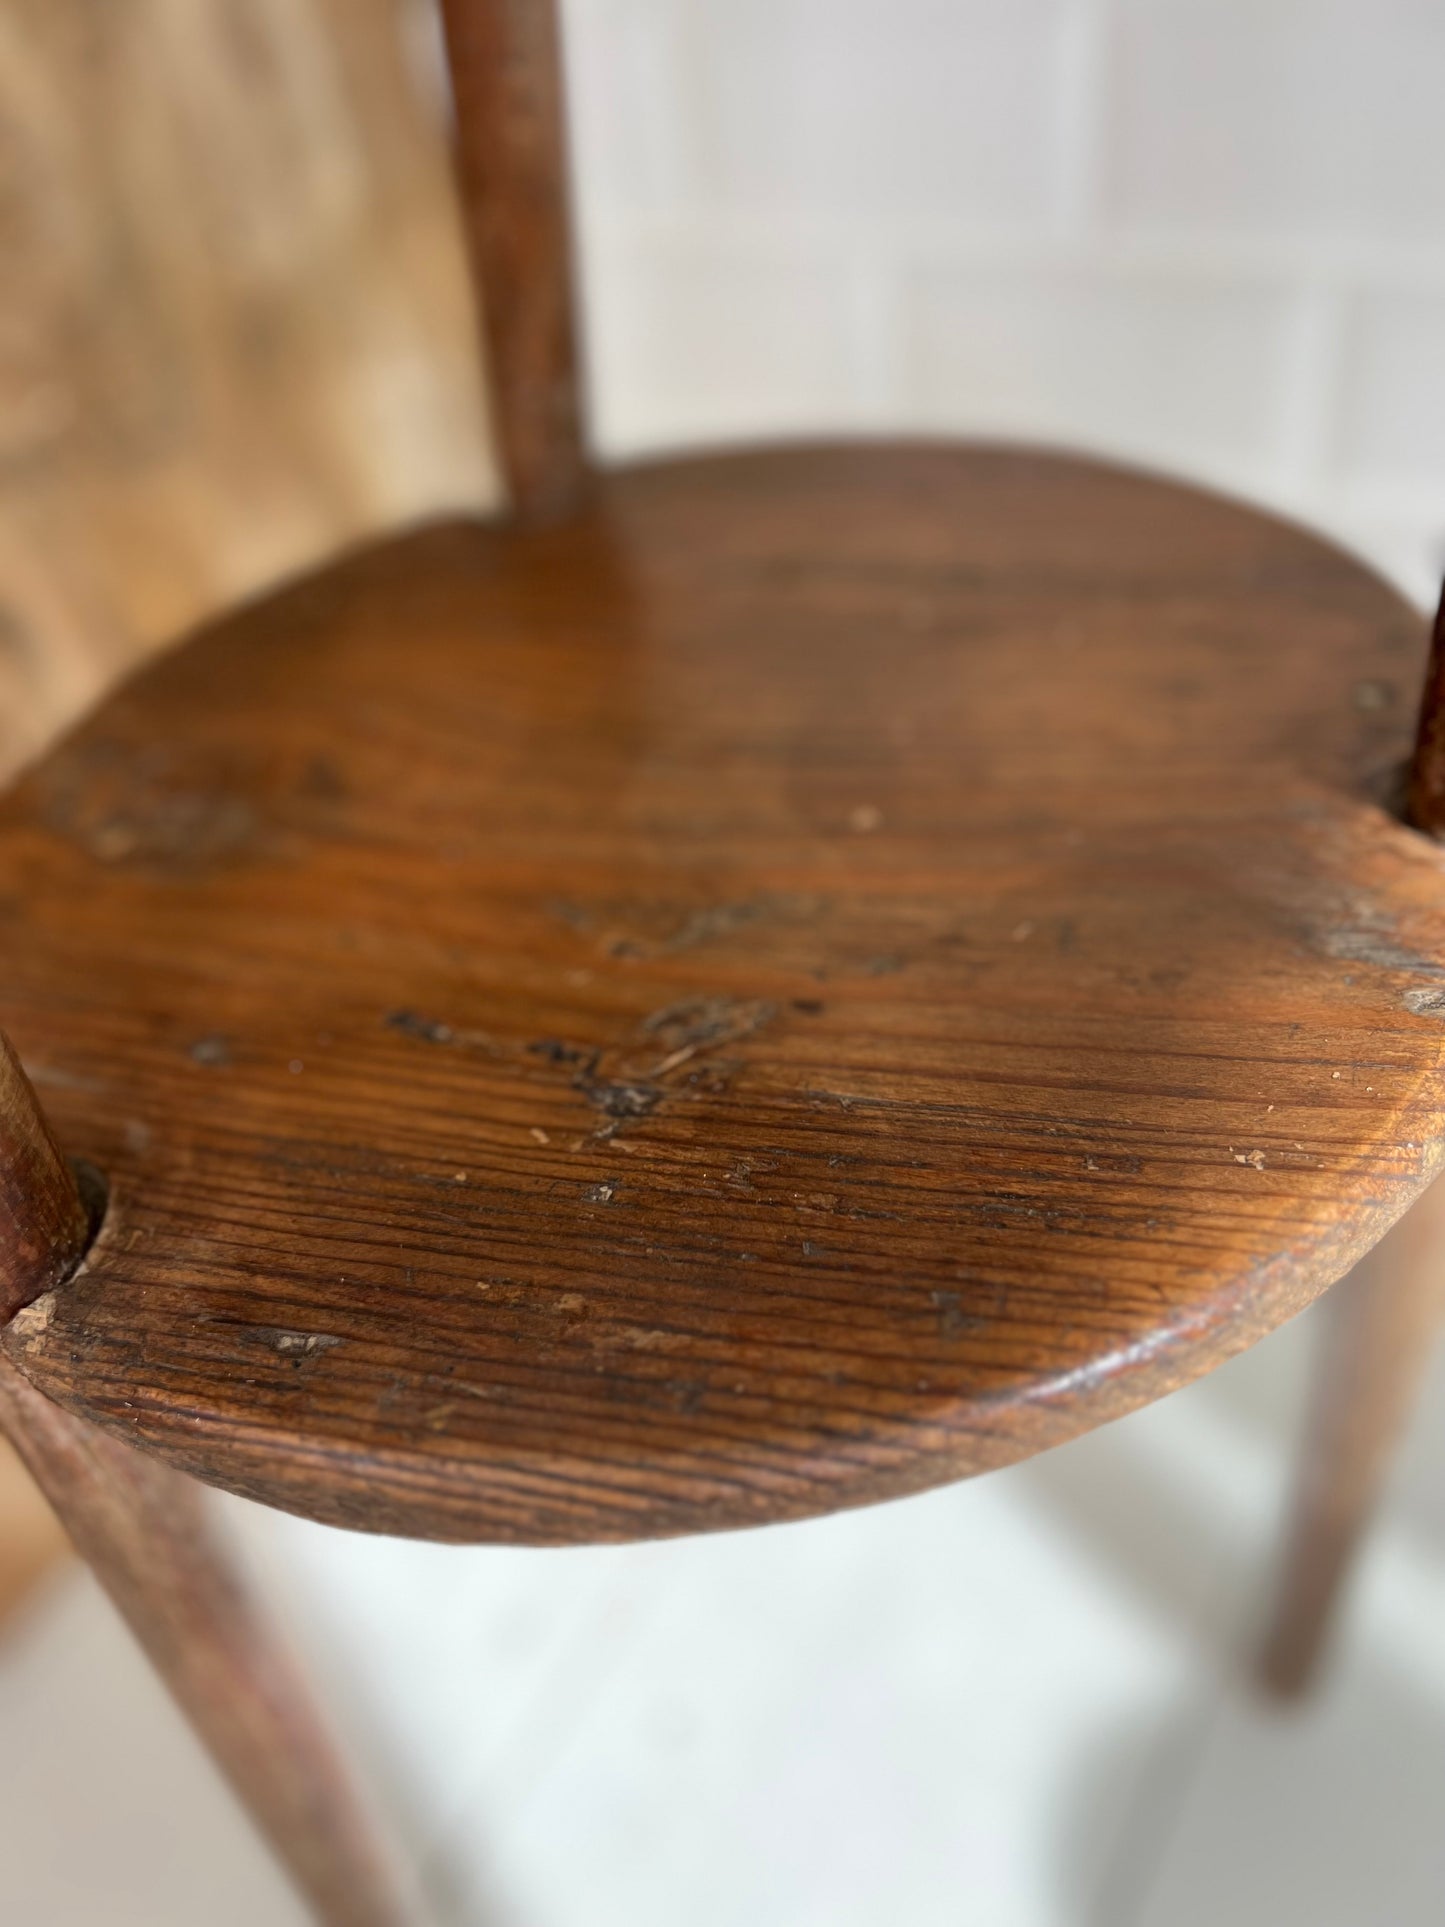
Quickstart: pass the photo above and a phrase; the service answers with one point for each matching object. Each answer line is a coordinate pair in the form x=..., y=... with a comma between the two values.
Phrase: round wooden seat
x=830, y=970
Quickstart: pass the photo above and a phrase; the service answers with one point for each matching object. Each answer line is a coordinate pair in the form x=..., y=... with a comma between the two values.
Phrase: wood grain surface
x=829, y=971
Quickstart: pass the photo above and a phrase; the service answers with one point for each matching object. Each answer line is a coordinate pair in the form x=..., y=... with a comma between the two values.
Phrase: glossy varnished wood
x=829, y=971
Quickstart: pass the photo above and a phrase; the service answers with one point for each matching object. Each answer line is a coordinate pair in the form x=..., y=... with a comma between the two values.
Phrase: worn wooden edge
x=955, y=1445
x=960, y=1441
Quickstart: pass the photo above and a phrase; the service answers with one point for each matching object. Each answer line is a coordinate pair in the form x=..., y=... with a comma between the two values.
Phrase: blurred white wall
x=1206, y=234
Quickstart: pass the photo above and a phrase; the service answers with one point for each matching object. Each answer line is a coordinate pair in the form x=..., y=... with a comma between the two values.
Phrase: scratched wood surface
x=827, y=972
x=235, y=326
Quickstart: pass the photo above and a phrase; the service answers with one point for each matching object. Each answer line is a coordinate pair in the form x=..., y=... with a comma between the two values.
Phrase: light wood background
x=235, y=335
x=235, y=330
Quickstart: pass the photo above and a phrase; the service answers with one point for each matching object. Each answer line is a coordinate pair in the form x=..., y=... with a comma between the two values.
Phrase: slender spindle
x=146, y=1534
x=511, y=151
x=1425, y=797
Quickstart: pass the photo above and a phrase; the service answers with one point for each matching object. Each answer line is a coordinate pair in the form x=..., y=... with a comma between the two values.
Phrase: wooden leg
x=143, y=1530
x=1381, y=1322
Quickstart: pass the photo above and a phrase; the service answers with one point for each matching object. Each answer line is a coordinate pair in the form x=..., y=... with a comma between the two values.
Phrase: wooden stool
x=758, y=984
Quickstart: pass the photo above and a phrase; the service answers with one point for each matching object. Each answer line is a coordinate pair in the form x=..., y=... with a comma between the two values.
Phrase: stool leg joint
x=50, y=1209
